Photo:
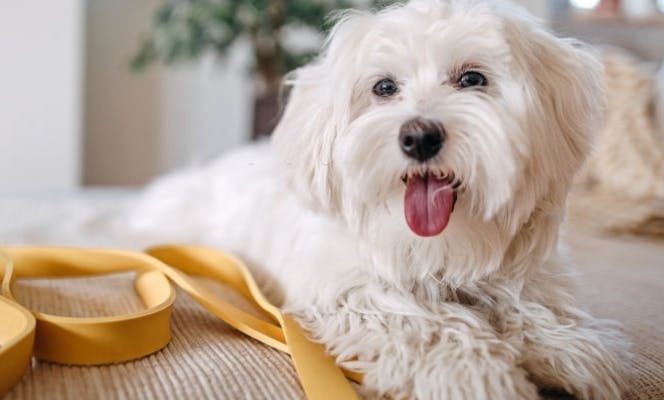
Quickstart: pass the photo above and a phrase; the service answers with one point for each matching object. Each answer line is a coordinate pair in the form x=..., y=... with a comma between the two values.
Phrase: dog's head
x=441, y=122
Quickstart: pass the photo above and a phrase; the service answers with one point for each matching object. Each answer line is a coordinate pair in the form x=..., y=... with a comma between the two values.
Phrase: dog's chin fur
x=480, y=311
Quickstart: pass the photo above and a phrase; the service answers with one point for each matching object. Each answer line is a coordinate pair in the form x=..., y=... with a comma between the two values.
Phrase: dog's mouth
x=429, y=201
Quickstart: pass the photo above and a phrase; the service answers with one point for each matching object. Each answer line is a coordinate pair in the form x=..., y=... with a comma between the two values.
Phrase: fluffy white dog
x=407, y=209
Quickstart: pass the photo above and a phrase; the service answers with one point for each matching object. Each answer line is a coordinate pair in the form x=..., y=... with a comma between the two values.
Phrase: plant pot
x=268, y=108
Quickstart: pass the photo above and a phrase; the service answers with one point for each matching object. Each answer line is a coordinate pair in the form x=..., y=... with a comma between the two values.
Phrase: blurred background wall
x=73, y=113
x=139, y=124
x=41, y=75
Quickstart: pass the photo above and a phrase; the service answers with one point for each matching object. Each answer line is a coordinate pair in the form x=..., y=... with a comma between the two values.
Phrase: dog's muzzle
x=421, y=139
x=430, y=193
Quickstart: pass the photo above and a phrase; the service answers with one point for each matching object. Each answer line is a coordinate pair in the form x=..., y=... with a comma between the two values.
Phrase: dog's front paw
x=472, y=376
x=452, y=371
x=589, y=361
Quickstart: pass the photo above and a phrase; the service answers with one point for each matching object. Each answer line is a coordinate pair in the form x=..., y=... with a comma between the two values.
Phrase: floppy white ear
x=567, y=82
x=318, y=109
x=565, y=90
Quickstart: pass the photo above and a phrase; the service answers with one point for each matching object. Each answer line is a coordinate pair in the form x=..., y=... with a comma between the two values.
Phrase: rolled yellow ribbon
x=105, y=340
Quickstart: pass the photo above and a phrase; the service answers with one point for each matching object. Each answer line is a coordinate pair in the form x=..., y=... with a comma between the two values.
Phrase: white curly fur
x=481, y=311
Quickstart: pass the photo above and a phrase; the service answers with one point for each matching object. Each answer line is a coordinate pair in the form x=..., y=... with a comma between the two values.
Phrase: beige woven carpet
x=620, y=278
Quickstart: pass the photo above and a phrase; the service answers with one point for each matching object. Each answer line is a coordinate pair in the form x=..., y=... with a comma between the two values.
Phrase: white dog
x=407, y=210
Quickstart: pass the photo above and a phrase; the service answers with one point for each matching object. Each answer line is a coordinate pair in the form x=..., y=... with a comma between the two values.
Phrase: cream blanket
x=622, y=187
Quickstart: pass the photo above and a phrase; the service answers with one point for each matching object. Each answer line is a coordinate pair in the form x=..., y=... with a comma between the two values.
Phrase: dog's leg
x=565, y=348
x=574, y=352
x=406, y=351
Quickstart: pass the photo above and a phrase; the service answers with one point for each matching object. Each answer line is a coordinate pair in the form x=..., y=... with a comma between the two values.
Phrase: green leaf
x=184, y=29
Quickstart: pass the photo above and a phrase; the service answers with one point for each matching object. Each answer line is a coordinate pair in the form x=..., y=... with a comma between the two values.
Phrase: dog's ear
x=318, y=109
x=566, y=82
x=563, y=84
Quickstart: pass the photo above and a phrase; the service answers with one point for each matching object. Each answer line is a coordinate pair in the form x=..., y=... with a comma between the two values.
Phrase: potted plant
x=185, y=29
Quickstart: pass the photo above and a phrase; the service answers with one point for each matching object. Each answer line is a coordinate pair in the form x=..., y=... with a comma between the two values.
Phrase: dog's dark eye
x=470, y=79
x=385, y=88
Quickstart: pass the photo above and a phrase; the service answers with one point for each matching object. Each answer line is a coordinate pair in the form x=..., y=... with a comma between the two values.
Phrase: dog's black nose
x=421, y=139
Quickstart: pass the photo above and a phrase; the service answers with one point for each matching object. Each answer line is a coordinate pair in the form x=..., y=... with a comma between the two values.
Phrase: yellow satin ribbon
x=106, y=340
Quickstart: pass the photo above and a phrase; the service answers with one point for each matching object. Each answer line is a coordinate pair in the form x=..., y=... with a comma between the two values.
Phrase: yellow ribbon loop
x=105, y=340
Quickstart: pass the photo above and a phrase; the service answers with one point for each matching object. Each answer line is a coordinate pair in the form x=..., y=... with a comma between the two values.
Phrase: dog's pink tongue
x=428, y=204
